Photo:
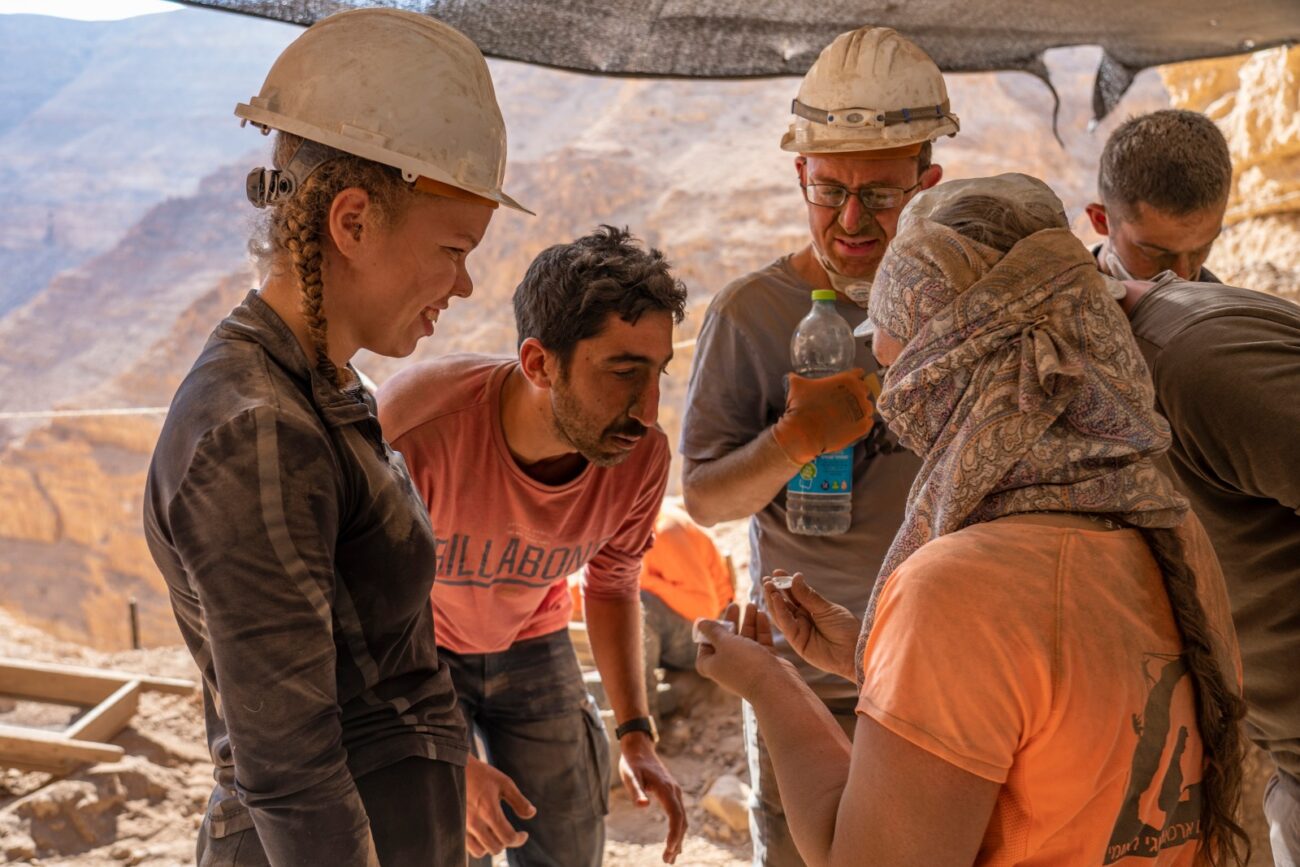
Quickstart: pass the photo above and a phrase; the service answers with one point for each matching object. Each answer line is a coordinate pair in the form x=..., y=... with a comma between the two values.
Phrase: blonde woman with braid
x=298, y=555
x=1047, y=671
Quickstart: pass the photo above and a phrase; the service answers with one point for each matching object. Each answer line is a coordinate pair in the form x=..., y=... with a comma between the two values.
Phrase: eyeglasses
x=872, y=198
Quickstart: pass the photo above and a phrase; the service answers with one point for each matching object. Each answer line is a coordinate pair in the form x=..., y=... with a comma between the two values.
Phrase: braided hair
x=298, y=226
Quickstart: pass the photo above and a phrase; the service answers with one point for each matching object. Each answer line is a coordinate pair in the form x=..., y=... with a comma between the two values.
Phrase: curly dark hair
x=571, y=289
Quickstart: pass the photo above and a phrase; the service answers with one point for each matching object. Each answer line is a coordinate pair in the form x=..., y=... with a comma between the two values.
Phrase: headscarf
x=1019, y=384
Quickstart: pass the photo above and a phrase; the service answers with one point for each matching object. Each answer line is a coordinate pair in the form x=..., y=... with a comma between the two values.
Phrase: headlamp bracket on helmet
x=265, y=186
x=869, y=118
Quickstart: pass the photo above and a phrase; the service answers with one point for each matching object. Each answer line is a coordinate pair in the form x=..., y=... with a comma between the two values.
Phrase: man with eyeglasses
x=864, y=120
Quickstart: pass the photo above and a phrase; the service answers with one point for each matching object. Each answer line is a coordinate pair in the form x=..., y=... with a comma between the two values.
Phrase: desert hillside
x=119, y=138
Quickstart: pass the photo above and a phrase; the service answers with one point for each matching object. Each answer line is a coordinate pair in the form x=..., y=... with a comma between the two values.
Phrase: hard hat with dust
x=870, y=90
x=394, y=87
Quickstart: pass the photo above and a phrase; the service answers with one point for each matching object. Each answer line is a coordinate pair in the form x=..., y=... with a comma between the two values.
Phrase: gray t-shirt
x=1226, y=366
x=737, y=389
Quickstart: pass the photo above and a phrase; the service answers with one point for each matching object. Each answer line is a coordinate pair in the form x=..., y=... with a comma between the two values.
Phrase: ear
x=1097, y=216
x=801, y=168
x=931, y=176
x=352, y=214
x=539, y=366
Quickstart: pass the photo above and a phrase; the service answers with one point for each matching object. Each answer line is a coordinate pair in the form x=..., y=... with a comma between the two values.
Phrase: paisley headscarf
x=1019, y=385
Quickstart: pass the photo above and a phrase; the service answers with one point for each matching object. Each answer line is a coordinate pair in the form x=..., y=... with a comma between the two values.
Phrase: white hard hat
x=870, y=90
x=394, y=87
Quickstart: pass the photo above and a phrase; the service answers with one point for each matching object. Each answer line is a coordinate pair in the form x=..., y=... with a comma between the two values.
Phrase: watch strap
x=638, y=724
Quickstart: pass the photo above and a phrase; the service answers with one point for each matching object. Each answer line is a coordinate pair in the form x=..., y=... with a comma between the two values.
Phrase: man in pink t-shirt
x=533, y=468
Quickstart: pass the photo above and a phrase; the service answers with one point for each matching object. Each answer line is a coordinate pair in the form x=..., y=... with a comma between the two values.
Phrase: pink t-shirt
x=505, y=541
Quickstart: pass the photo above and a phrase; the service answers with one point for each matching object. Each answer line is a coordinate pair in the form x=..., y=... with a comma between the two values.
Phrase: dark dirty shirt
x=1226, y=367
x=299, y=561
x=737, y=389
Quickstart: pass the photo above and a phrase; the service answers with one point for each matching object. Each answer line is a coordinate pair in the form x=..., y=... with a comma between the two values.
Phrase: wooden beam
x=34, y=748
x=67, y=684
x=581, y=644
x=103, y=721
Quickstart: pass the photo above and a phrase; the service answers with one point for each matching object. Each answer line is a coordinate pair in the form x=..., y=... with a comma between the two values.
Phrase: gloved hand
x=824, y=415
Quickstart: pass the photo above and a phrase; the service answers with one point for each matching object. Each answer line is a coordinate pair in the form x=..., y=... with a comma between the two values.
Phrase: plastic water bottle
x=819, y=499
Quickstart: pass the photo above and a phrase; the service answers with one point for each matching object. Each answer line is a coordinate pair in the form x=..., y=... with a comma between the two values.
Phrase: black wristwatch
x=638, y=724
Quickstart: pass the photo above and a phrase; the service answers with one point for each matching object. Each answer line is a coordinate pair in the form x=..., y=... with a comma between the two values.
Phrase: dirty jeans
x=540, y=728
x=1282, y=809
x=667, y=641
x=417, y=819
x=773, y=845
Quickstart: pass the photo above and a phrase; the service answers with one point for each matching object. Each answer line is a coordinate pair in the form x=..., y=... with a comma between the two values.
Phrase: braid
x=302, y=240
x=298, y=227
x=1219, y=709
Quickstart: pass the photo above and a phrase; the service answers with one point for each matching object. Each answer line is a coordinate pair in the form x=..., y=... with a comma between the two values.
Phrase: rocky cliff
x=692, y=167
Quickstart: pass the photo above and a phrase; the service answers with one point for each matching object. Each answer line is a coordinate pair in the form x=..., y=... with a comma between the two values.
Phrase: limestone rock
x=728, y=799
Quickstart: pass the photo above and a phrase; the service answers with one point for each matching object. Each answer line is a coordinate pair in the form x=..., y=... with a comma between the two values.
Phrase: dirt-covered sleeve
x=254, y=523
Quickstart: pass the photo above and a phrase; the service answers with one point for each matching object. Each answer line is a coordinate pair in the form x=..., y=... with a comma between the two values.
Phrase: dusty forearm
x=739, y=484
x=614, y=627
x=811, y=757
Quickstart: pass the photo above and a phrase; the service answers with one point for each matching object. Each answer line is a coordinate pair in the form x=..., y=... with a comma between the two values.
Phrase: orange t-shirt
x=505, y=541
x=685, y=569
x=1046, y=659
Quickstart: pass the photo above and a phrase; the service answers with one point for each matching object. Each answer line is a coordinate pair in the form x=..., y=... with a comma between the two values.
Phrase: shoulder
x=967, y=571
x=746, y=296
x=232, y=386
x=423, y=392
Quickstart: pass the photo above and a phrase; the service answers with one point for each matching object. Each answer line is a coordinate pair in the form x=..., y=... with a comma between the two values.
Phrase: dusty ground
x=146, y=808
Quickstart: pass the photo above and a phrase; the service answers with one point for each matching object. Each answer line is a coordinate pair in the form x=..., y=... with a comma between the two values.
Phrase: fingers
x=749, y=623
x=522, y=806
x=803, y=594
x=632, y=784
x=670, y=797
x=474, y=846
x=762, y=628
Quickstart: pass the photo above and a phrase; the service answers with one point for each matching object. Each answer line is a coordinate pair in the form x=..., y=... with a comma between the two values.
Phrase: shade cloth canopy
x=743, y=38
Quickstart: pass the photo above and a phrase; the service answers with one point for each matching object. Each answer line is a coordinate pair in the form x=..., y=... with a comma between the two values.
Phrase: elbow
x=695, y=500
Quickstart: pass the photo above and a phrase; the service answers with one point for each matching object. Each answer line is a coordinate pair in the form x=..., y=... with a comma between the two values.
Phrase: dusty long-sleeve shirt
x=299, y=560
x=1226, y=366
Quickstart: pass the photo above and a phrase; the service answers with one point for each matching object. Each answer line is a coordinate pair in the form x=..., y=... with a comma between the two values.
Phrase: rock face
x=1253, y=99
x=691, y=167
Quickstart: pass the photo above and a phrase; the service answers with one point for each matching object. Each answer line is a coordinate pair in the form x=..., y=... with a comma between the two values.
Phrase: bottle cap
x=824, y=294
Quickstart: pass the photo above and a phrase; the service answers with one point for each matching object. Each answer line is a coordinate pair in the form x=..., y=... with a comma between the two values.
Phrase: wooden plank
x=68, y=684
x=28, y=748
x=110, y=716
x=581, y=644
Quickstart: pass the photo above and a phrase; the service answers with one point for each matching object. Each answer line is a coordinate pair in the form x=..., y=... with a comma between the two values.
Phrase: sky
x=87, y=10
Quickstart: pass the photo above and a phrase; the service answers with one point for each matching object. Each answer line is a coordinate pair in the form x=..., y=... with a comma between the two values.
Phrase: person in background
x=744, y=433
x=1163, y=181
x=684, y=577
x=298, y=556
x=1048, y=668
x=533, y=468
x=1224, y=360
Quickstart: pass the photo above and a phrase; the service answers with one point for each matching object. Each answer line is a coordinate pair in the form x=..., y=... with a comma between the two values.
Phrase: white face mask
x=1112, y=264
x=857, y=289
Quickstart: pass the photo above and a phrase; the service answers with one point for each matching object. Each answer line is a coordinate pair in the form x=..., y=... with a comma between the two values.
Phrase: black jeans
x=417, y=819
x=541, y=729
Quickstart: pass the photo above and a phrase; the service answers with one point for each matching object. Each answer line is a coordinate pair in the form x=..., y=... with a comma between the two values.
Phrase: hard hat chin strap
x=267, y=186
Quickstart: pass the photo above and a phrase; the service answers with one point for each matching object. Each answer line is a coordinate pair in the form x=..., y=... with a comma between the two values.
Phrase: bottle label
x=831, y=473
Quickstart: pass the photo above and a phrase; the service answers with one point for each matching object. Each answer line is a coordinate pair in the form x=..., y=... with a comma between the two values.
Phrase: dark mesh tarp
x=747, y=38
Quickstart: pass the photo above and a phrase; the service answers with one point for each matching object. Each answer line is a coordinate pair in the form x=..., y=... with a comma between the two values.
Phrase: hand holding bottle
x=824, y=414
